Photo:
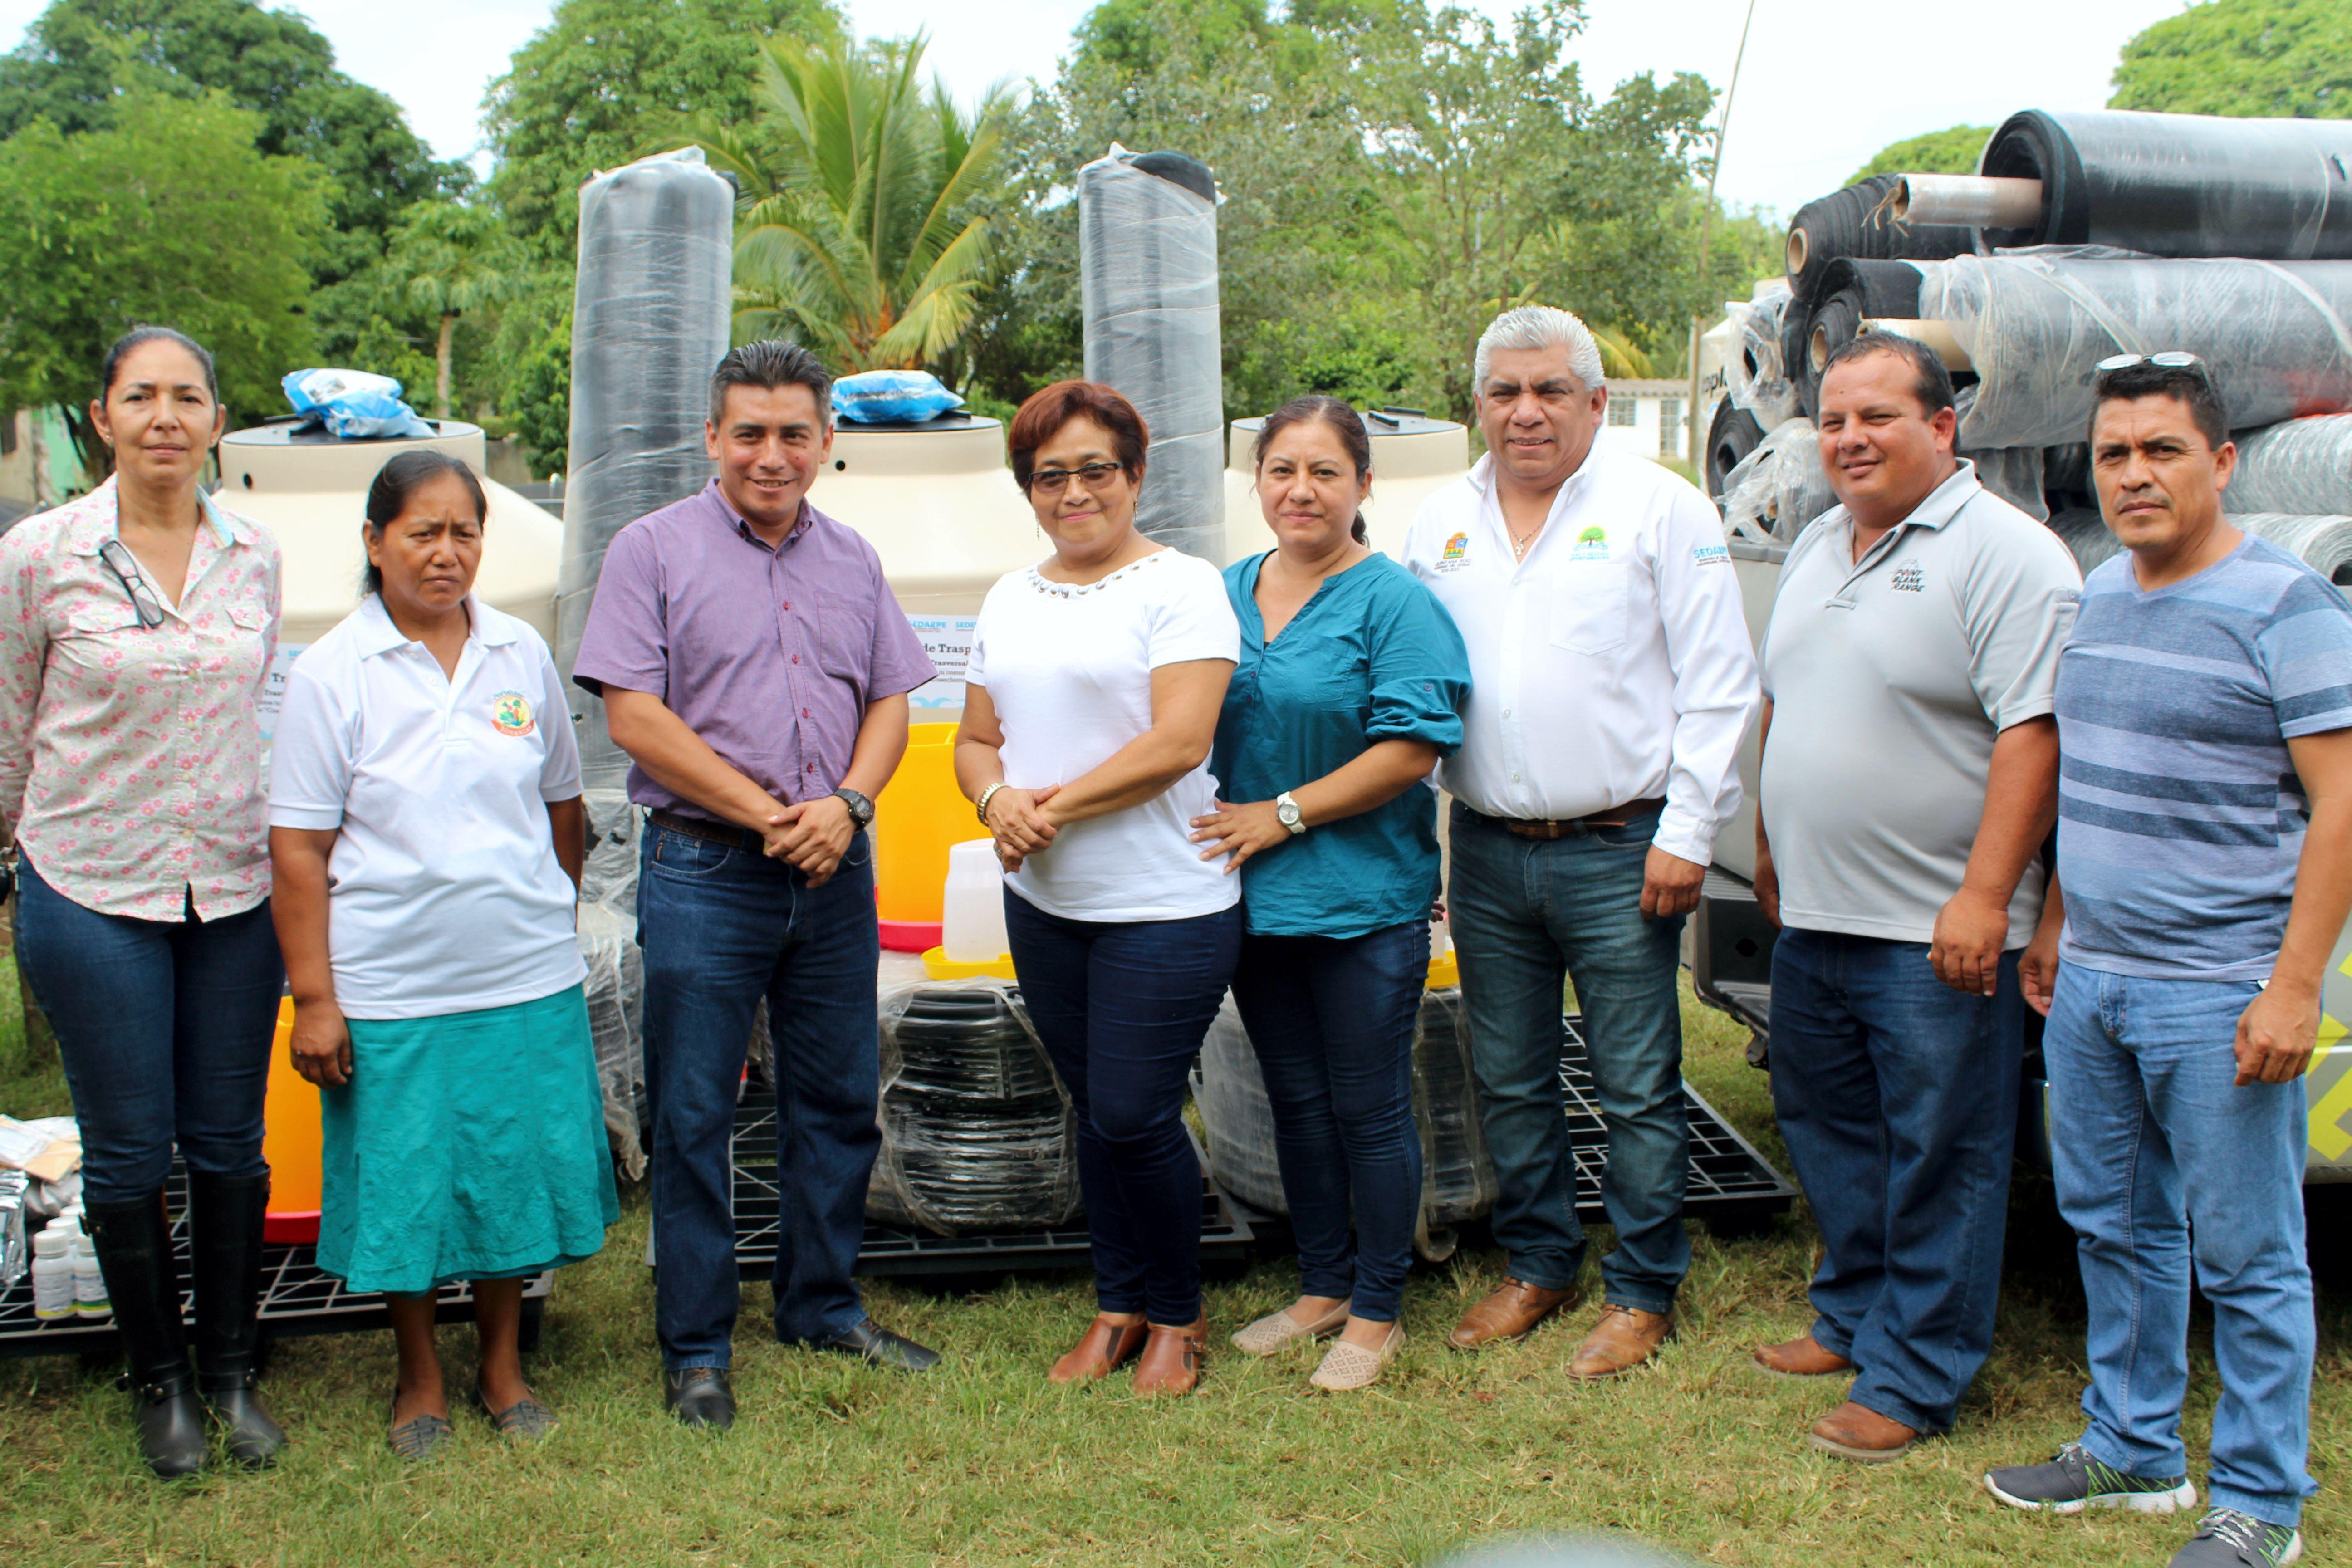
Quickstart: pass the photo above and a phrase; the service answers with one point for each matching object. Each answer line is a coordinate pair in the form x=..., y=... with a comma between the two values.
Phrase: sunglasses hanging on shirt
x=125, y=567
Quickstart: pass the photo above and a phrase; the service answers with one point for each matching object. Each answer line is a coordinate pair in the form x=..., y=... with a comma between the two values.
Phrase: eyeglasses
x=1049, y=481
x=125, y=567
x=2171, y=359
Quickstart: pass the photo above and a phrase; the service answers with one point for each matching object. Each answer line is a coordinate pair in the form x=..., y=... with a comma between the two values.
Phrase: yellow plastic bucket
x=919, y=813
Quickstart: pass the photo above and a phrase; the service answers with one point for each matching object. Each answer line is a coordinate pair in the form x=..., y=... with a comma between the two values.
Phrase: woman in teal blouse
x=1348, y=689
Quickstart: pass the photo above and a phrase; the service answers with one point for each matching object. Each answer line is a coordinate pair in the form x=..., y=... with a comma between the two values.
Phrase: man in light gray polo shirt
x=1910, y=773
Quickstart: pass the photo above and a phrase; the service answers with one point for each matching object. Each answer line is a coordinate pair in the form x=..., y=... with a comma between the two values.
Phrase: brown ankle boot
x=1102, y=1350
x=1173, y=1357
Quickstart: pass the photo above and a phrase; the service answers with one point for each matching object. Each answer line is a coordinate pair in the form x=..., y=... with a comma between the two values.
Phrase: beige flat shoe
x=1347, y=1367
x=1275, y=1329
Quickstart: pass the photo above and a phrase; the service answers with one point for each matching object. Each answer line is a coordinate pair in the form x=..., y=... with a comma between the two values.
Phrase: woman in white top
x=1092, y=698
x=428, y=834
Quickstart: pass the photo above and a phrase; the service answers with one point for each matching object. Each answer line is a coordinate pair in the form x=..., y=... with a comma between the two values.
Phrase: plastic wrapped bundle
x=607, y=936
x=1855, y=222
x=2179, y=184
x=1457, y=1179
x=2014, y=474
x=2298, y=466
x=1757, y=379
x=1148, y=282
x=649, y=323
x=1731, y=435
x=1779, y=487
x=2323, y=543
x=976, y=1131
x=2087, y=535
x=2274, y=335
x=1852, y=292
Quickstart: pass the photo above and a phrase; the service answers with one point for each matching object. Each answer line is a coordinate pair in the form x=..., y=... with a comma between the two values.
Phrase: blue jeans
x=2160, y=1158
x=165, y=1029
x=1332, y=1020
x=1122, y=1008
x=722, y=927
x=1528, y=915
x=1897, y=1096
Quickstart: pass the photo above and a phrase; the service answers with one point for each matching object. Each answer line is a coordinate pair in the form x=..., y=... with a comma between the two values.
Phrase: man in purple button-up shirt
x=755, y=667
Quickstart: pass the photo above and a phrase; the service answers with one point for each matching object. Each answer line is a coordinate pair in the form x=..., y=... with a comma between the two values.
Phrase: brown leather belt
x=725, y=833
x=1527, y=827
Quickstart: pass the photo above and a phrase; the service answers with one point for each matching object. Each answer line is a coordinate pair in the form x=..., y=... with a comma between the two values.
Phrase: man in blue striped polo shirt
x=2205, y=858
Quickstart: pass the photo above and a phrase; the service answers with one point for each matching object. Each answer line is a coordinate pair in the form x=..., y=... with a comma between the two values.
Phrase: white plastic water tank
x=1412, y=454
x=310, y=490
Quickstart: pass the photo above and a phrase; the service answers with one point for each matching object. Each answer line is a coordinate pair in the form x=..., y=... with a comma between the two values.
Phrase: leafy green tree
x=2277, y=58
x=856, y=235
x=80, y=56
x=590, y=88
x=1952, y=152
x=171, y=214
x=453, y=259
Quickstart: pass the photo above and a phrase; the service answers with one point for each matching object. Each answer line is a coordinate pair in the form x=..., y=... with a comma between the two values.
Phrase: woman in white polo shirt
x=426, y=834
x=1092, y=697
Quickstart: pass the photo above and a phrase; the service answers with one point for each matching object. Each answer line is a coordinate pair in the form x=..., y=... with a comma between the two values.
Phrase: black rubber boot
x=133, y=1241
x=225, y=1216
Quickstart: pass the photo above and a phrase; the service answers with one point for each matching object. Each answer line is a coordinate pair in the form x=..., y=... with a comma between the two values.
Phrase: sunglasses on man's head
x=2171, y=359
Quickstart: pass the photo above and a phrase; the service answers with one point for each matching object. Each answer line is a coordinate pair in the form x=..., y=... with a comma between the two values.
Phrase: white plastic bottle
x=53, y=1275
x=88, y=1282
x=971, y=922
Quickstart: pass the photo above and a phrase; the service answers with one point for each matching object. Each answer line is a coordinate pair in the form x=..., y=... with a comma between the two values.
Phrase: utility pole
x=1694, y=436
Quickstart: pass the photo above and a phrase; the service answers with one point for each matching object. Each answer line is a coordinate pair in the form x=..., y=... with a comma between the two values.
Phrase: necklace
x=1520, y=547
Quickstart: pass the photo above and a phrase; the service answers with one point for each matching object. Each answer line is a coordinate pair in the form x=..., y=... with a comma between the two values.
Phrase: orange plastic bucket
x=290, y=1142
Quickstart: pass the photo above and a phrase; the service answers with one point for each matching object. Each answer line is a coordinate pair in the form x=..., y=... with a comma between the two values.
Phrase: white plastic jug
x=971, y=916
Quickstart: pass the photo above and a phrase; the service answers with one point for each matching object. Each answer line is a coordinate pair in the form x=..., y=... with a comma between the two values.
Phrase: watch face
x=1286, y=813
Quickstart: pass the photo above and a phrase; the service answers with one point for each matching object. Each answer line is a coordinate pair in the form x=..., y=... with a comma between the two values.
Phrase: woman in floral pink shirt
x=136, y=625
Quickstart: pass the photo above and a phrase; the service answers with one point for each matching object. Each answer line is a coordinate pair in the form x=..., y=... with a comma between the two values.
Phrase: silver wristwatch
x=1286, y=811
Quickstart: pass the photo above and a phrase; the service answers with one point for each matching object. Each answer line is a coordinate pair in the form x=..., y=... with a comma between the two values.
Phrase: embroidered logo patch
x=1908, y=579
x=510, y=714
x=1456, y=548
x=1592, y=544
x=1709, y=554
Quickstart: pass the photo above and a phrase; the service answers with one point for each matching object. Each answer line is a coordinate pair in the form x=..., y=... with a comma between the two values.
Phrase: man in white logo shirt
x=1611, y=685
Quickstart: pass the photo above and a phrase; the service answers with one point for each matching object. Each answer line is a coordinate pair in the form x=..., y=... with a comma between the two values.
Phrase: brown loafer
x=1622, y=1339
x=1801, y=1357
x=1858, y=1433
x=1173, y=1357
x=1102, y=1350
x=1513, y=1312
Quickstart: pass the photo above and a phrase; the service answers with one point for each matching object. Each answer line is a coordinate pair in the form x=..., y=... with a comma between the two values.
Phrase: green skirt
x=469, y=1146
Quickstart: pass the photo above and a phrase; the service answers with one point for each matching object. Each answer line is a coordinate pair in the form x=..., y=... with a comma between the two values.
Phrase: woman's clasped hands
x=1017, y=821
x=1239, y=831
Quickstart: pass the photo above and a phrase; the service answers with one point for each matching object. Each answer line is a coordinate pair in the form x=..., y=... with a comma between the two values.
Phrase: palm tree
x=451, y=258
x=855, y=227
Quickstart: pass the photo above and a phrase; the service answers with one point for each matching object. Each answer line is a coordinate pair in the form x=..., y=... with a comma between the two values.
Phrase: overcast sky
x=1826, y=83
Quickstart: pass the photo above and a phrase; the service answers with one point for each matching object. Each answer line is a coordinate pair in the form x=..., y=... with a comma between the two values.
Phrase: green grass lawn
x=983, y=1462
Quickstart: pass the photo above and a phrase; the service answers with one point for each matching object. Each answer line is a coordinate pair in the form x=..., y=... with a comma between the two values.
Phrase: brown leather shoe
x=1854, y=1432
x=1102, y=1350
x=1173, y=1357
x=1801, y=1357
x=1622, y=1339
x=1513, y=1312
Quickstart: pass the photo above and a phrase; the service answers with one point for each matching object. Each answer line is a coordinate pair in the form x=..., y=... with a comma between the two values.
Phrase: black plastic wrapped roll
x=2180, y=184
x=1853, y=291
x=1731, y=436
x=976, y=1130
x=1851, y=223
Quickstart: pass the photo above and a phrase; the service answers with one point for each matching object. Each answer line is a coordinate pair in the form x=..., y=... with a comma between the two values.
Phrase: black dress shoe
x=869, y=1341
x=701, y=1396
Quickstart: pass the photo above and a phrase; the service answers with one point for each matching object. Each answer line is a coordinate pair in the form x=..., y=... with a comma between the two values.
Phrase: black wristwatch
x=861, y=810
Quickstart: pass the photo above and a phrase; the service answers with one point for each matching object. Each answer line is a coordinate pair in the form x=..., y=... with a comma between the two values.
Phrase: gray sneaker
x=2227, y=1539
x=2074, y=1481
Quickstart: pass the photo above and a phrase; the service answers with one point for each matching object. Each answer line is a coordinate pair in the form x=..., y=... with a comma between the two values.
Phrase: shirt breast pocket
x=845, y=635
x=104, y=637
x=1587, y=607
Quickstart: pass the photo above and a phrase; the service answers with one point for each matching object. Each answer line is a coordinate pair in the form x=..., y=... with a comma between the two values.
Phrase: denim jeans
x=1897, y=1096
x=1528, y=914
x=2161, y=1159
x=1332, y=1020
x=722, y=926
x=1122, y=1008
x=165, y=1029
